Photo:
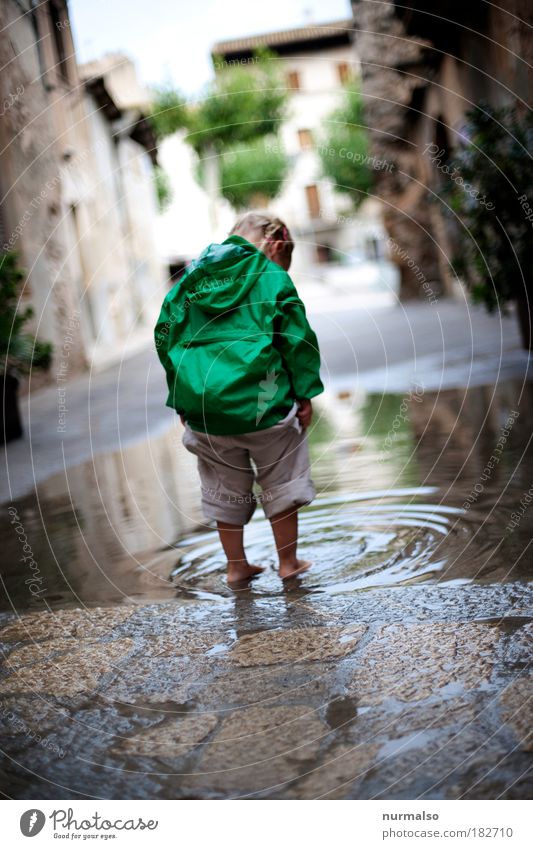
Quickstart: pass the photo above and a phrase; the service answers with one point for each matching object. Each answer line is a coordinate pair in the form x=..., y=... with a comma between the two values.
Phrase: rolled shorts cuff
x=296, y=493
x=223, y=508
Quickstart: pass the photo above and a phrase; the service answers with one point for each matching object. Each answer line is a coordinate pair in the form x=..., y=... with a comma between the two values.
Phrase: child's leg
x=285, y=530
x=232, y=539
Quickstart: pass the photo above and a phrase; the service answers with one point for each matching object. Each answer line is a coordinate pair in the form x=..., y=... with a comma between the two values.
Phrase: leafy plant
x=252, y=174
x=18, y=351
x=343, y=149
x=491, y=191
x=242, y=104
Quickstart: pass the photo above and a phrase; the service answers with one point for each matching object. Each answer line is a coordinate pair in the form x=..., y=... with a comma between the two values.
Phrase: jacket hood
x=223, y=275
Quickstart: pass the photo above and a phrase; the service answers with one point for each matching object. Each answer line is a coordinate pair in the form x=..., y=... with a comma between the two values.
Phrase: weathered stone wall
x=420, y=74
x=394, y=69
x=78, y=197
x=31, y=181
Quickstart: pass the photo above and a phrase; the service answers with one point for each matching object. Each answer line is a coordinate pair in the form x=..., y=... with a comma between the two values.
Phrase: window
x=305, y=139
x=323, y=253
x=293, y=80
x=343, y=71
x=313, y=201
x=372, y=248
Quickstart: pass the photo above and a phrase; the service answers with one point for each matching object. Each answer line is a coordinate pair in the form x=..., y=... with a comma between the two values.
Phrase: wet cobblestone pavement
x=398, y=667
x=378, y=697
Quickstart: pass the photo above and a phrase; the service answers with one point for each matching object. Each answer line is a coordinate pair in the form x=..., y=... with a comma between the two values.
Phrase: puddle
x=404, y=497
x=356, y=541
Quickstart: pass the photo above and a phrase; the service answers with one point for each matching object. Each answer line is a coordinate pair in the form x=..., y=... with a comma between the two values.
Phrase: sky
x=170, y=40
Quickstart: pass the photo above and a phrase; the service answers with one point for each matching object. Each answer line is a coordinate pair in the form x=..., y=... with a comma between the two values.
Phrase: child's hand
x=305, y=412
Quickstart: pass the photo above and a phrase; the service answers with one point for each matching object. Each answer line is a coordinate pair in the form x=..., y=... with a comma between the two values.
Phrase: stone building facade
x=422, y=69
x=77, y=196
x=317, y=61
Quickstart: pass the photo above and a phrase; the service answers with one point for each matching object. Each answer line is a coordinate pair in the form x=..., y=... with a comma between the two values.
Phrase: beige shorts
x=281, y=459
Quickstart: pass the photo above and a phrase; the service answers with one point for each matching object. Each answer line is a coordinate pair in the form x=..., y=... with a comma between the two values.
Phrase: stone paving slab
x=76, y=670
x=273, y=698
x=411, y=662
x=257, y=747
x=295, y=644
x=77, y=622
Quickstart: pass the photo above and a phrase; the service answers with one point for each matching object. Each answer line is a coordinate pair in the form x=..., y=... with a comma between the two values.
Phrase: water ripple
x=355, y=541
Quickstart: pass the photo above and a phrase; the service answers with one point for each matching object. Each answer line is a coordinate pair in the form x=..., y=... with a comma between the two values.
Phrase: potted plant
x=491, y=192
x=19, y=351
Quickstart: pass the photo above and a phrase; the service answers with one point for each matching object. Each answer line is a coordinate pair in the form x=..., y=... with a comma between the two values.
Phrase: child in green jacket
x=242, y=365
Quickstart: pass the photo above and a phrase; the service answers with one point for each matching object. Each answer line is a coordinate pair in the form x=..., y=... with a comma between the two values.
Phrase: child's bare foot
x=291, y=570
x=239, y=571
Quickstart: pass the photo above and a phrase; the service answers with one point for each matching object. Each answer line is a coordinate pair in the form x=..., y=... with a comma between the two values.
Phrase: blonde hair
x=260, y=227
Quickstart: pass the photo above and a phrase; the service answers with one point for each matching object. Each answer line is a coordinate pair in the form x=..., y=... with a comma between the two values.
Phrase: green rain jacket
x=235, y=342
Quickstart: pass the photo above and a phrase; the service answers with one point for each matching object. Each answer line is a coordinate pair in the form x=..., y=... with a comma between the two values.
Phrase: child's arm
x=305, y=412
x=297, y=343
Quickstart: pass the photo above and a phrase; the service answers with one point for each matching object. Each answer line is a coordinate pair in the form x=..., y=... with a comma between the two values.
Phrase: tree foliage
x=242, y=103
x=343, y=148
x=252, y=174
x=491, y=191
x=240, y=106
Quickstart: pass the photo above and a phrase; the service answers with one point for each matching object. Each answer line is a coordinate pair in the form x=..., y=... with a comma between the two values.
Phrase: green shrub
x=494, y=163
x=18, y=351
x=343, y=149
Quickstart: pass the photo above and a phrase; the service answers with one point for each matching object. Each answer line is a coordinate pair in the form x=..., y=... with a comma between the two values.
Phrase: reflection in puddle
x=390, y=510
